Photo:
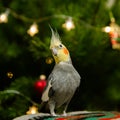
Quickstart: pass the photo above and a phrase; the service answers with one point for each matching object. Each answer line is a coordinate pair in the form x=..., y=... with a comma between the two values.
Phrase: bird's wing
x=45, y=95
x=48, y=91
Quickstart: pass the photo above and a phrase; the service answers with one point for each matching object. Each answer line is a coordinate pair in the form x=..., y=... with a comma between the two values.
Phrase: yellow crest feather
x=55, y=38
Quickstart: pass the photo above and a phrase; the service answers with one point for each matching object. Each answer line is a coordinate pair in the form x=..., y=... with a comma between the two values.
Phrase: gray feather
x=64, y=82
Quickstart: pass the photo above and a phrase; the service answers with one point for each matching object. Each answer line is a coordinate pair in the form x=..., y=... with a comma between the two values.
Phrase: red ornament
x=40, y=85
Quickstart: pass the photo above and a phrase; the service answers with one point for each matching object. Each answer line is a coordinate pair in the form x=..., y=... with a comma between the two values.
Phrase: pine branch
x=18, y=93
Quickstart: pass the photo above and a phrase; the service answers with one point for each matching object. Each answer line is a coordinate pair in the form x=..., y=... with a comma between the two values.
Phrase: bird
x=63, y=79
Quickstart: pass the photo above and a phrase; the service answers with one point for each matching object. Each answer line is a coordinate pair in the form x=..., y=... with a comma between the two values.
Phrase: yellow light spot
x=49, y=60
x=32, y=110
x=4, y=17
x=42, y=77
x=107, y=29
x=68, y=24
x=33, y=29
x=9, y=74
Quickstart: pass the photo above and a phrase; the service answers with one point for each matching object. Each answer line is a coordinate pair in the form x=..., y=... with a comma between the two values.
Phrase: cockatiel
x=63, y=80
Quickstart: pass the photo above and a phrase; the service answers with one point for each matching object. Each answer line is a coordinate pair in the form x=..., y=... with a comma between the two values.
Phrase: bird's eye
x=60, y=46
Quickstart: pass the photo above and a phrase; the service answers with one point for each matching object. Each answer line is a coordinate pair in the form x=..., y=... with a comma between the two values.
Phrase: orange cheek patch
x=65, y=51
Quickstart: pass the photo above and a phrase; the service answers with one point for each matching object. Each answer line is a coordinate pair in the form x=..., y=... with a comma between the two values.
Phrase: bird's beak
x=54, y=51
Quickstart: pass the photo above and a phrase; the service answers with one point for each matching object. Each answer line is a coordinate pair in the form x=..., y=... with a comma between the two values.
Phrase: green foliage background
x=90, y=48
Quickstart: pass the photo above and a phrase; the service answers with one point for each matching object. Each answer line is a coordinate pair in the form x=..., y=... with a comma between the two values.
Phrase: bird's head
x=59, y=51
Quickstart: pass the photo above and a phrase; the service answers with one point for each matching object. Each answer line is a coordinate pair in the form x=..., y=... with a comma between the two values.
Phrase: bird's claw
x=53, y=114
x=64, y=113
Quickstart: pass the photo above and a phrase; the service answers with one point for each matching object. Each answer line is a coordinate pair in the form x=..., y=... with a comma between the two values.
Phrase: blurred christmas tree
x=25, y=54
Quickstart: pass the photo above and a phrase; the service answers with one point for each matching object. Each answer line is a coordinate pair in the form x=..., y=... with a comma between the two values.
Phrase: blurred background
x=90, y=30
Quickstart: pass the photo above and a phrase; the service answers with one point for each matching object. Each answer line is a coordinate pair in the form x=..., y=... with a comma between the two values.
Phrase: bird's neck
x=65, y=59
